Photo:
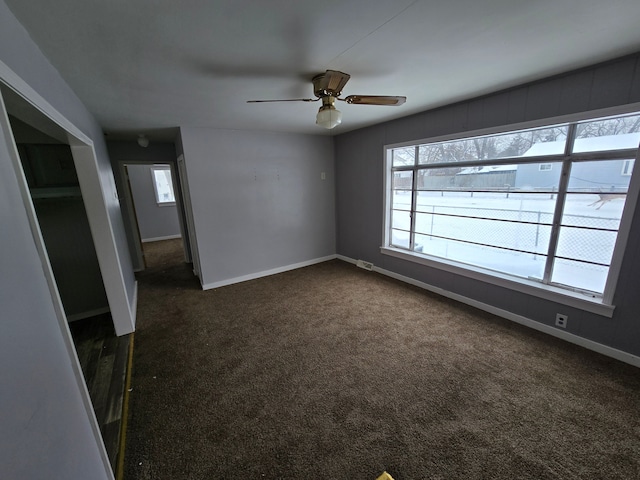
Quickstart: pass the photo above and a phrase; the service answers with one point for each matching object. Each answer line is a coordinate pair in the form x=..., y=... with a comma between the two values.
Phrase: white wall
x=259, y=203
x=46, y=429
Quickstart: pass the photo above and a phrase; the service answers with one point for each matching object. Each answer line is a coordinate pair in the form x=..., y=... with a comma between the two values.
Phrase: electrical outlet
x=561, y=320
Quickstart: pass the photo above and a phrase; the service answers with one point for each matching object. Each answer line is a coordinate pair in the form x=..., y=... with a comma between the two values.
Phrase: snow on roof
x=591, y=144
x=489, y=169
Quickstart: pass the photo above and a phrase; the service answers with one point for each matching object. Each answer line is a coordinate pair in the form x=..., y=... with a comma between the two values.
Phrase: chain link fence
x=587, y=238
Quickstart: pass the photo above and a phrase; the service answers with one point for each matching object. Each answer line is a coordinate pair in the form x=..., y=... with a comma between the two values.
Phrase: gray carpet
x=333, y=372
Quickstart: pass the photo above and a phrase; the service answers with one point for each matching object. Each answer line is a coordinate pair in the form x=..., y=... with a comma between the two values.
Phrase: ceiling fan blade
x=330, y=82
x=374, y=100
x=287, y=100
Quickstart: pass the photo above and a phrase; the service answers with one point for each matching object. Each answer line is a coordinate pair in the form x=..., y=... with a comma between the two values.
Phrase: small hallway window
x=163, y=184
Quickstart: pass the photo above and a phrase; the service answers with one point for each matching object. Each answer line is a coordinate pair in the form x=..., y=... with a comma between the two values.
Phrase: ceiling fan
x=328, y=87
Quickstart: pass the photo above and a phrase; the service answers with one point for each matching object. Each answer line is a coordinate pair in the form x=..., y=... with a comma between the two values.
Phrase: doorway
x=153, y=206
x=54, y=188
x=60, y=189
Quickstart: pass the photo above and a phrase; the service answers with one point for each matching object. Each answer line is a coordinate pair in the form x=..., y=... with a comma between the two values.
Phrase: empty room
x=381, y=240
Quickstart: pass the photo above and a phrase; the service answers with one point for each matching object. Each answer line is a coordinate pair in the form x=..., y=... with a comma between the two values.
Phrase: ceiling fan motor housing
x=329, y=83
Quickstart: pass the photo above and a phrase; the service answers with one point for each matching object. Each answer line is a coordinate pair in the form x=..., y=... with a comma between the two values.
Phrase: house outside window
x=539, y=206
x=627, y=167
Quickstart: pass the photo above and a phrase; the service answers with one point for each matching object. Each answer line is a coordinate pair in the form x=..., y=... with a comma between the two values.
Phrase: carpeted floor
x=333, y=372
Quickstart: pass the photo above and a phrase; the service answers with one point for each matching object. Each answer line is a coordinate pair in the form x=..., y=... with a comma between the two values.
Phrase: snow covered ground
x=520, y=225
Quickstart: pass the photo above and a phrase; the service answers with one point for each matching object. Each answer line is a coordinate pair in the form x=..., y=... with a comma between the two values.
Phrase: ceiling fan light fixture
x=329, y=117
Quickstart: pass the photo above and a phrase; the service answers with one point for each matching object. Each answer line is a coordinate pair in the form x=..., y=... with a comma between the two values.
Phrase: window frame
x=601, y=305
x=162, y=167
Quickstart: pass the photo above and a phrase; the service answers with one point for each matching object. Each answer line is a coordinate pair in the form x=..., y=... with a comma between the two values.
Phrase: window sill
x=547, y=292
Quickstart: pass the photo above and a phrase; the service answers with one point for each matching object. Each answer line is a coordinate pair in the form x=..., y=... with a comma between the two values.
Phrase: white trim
x=33, y=98
x=266, y=273
x=191, y=237
x=129, y=207
x=86, y=164
x=527, y=322
x=95, y=202
x=349, y=260
x=134, y=301
x=536, y=289
x=87, y=314
x=158, y=239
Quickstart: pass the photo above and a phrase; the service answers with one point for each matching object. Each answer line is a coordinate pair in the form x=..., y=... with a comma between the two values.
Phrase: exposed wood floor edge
x=125, y=412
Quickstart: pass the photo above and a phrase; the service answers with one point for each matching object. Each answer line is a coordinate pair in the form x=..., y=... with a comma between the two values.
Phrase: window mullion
x=560, y=200
x=414, y=200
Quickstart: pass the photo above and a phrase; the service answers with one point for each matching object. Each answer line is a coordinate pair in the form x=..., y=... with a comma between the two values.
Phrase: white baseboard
x=527, y=322
x=158, y=239
x=87, y=314
x=266, y=273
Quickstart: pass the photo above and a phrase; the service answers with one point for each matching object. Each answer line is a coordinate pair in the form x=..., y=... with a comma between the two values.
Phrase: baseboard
x=87, y=314
x=347, y=259
x=266, y=273
x=158, y=239
x=527, y=322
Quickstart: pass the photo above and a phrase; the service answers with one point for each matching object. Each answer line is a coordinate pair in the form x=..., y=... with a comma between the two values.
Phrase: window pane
x=403, y=156
x=498, y=178
x=400, y=238
x=403, y=180
x=589, y=225
x=599, y=177
x=401, y=200
x=505, y=261
x=469, y=226
x=163, y=184
x=610, y=134
x=401, y=219
x=580, y=275
x=513, y=235
x=595, y=246
x=543, y=141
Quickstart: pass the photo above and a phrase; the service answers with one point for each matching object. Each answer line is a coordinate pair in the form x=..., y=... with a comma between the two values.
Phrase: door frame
x=86, y=163
x=185, y=195
x=129, y=205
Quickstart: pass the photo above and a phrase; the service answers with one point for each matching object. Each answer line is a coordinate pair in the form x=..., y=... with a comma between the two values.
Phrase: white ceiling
x=152, y=65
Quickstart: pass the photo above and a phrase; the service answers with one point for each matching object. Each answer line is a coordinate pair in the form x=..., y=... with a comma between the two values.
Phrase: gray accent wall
x=259, y=203
x=45, y=428
x=154, y=221
x=359, y=191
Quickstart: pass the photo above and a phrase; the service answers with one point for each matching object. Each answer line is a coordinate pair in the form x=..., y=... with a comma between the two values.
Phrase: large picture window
x=543, y=205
